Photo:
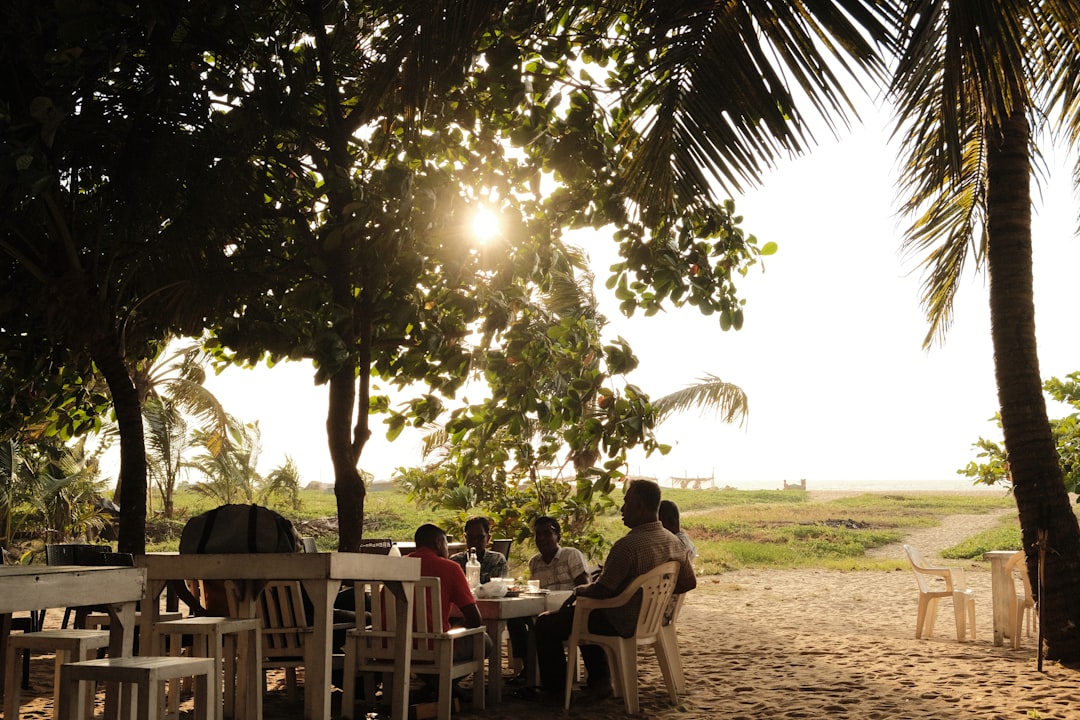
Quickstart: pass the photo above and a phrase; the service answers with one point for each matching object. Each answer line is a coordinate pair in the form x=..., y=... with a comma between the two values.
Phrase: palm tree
x=231, y=471
x=171, y=392
x=971, y=81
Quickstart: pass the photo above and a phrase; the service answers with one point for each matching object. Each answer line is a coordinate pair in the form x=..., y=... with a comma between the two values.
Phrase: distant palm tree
x=173, y=397
x=231, y=471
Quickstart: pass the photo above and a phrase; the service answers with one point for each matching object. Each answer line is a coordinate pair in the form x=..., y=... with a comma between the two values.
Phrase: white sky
x=841, y=392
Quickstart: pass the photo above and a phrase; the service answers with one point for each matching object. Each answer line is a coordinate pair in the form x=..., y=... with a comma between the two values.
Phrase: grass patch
x=732, y=529
x=1005, y=536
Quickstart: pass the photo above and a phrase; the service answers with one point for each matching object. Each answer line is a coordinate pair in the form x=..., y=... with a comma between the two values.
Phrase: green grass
x=732, y=529
x=1005, y=536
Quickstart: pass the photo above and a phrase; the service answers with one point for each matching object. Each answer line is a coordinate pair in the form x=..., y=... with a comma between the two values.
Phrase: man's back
x=636, y=553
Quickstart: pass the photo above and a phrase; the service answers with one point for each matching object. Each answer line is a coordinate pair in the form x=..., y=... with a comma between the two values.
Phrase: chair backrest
x=923, y=571
x=427, y=620
x=281, y=608
x=502, y=546
x=657, y=587
x=74, y=554
x=376, y=546
x=676, y=608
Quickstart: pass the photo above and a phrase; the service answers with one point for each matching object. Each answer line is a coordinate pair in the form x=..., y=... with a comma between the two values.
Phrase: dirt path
x=953, y=530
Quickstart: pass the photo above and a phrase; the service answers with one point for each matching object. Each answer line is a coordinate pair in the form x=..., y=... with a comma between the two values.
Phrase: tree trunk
x=1038, y=483
x=131, y=485
x=348, y=485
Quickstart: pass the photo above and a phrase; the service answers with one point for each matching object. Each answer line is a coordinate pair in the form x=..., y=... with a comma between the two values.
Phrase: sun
x=485, y=225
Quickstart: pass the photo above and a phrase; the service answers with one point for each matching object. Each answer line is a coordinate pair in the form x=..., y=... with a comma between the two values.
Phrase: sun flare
x=485, y=225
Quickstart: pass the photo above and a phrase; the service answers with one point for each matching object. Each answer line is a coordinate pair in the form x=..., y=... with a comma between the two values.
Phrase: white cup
x=534, y=586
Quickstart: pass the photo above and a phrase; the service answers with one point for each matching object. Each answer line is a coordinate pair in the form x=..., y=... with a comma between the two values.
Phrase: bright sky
x=841, y=392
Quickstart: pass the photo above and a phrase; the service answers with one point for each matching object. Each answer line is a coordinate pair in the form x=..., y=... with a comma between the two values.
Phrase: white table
x=321, y=575
x=495, y=612
x=32, y=587
x=1001, y=588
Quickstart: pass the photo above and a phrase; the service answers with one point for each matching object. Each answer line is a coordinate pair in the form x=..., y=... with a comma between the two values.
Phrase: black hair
x=647, y=491
x=550, y=522
x=479, y=519
x=669, y=515
x=427, y=535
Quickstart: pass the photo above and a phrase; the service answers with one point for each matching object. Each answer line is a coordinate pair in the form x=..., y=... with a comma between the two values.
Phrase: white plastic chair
x=669, y=643
x=369, y=650
x=963, y=599
x=1021, y=599
x=656, y=588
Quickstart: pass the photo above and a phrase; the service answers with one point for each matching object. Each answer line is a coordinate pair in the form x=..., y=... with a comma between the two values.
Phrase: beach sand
x=795, y=644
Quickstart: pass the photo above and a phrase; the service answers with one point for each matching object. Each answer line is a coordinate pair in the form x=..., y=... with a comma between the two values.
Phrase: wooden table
x=321, y=575
x=1001, y=588
x=32, y=587
x=495, y=612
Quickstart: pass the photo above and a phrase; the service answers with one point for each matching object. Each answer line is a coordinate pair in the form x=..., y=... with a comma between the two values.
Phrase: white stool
x=142, y=682
x=235, y=644
x=69, y=646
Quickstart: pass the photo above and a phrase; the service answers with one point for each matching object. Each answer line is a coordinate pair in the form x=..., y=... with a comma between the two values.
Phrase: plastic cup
x=534, y=586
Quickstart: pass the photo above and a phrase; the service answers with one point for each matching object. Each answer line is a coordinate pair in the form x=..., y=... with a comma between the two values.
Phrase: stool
x=100, y=621
x=235, y=644
x=69, y=646
x=145, y=678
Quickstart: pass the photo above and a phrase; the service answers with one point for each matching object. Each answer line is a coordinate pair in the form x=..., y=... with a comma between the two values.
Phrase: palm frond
x=722, y=88
x=710, y=393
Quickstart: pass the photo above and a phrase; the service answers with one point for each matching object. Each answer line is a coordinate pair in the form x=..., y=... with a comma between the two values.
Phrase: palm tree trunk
x=1038, y=483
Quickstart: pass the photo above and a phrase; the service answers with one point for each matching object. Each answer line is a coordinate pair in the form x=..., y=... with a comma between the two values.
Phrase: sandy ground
x=809, y=644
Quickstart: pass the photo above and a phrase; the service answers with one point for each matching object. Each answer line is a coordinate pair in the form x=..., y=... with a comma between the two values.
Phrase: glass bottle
x=472, y=569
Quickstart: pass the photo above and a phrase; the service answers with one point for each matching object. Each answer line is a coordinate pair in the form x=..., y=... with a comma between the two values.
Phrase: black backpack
x=239, y=529
x=232, y=529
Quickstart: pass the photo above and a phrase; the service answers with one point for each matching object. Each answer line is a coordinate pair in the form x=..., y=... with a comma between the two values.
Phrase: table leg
x=1000, y=588
x=318, y=648
x=495, y=630
x=5, y=631
x=403, y=594
x=148, y=618
x=121, y=644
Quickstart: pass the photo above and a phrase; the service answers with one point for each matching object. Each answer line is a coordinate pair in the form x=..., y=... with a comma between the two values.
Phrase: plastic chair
x=670, y=642
x=1021, y=599
x=372, y=649
x=656, y=588
x=963, y=599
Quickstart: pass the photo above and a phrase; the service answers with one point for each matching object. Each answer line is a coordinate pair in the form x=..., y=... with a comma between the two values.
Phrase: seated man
x=431, y=548
x=556, y=568
x=477, y=537
x=646, y=546
x=669, y=518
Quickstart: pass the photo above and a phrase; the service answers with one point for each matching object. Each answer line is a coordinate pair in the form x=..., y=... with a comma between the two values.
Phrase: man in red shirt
x=432, y=549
